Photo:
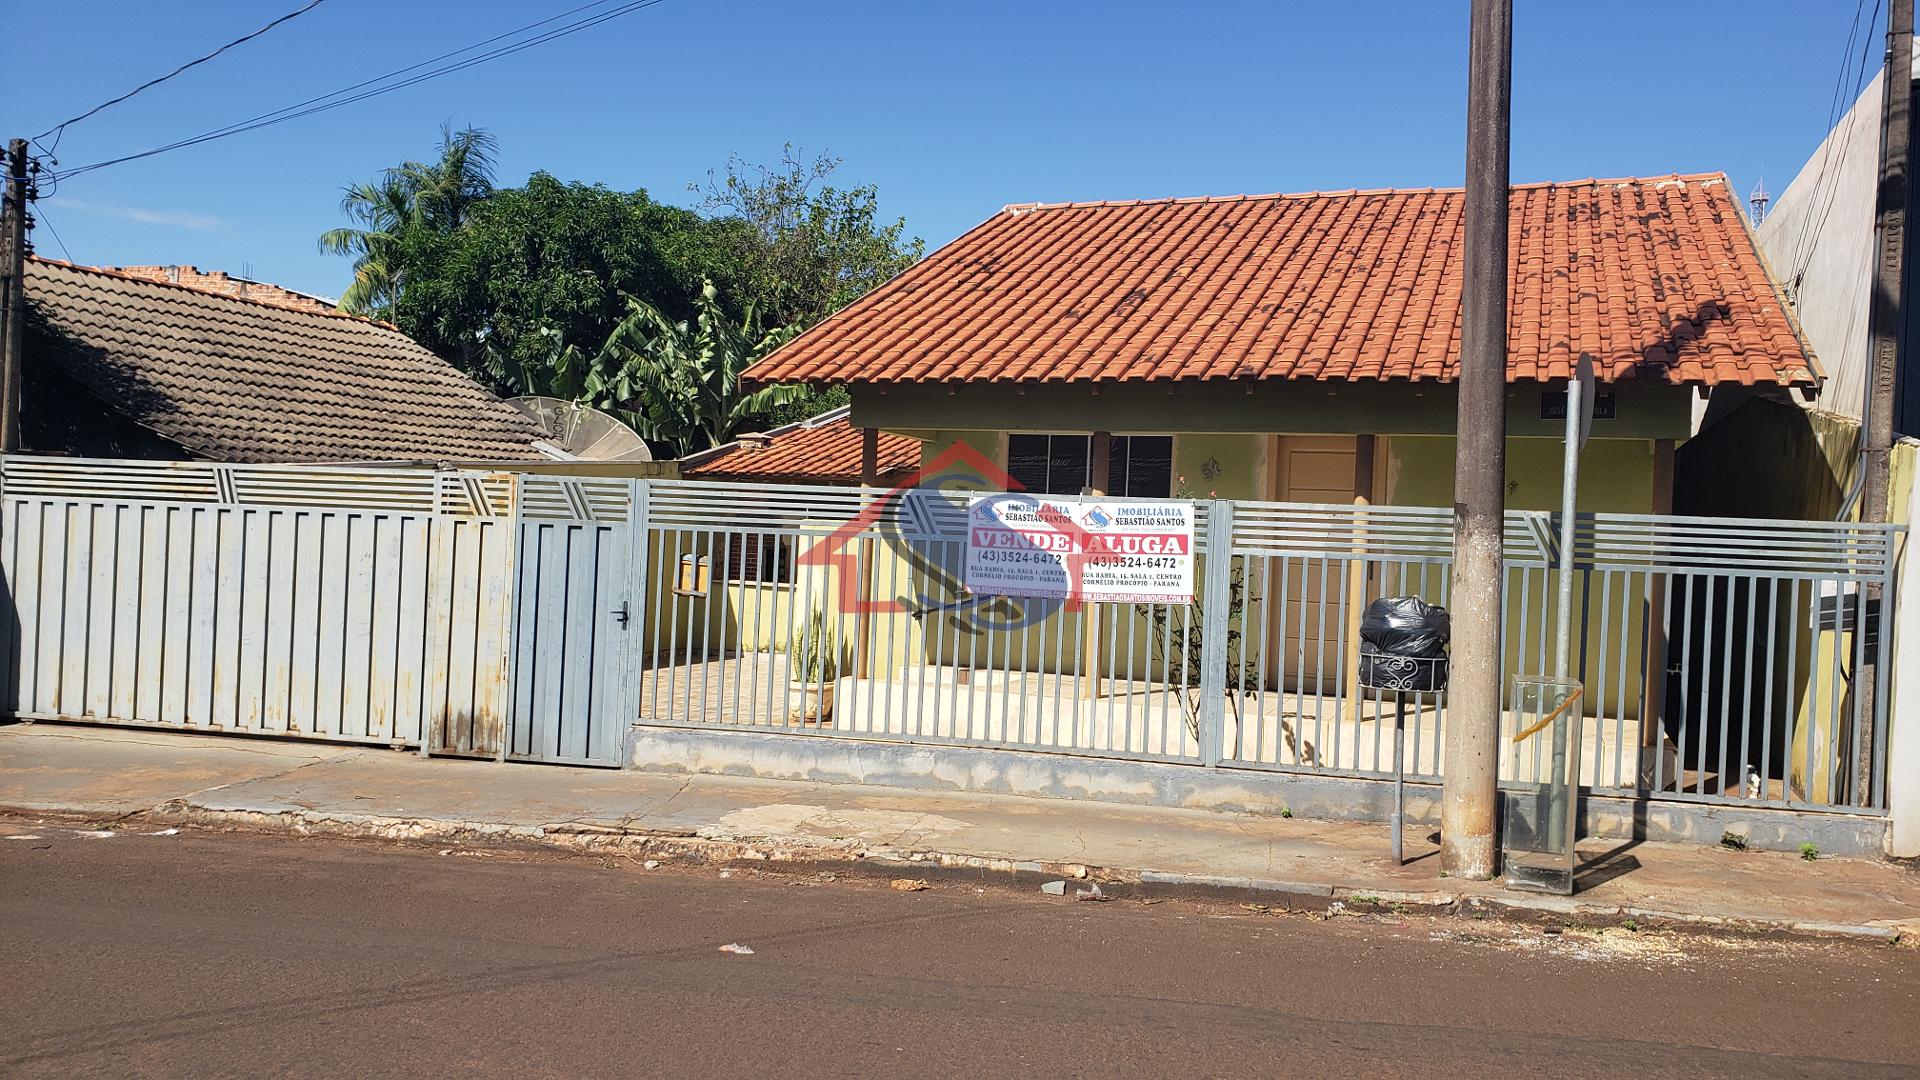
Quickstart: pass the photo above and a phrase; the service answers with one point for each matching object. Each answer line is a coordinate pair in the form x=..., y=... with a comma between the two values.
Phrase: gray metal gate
x=577, y=598
x=351, y=605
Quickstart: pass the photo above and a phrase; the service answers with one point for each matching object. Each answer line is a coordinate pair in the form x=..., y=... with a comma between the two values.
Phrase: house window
x=759, y=560
x=1138, y=466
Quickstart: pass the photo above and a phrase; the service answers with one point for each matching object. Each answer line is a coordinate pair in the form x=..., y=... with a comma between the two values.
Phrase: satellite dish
x=580, y=432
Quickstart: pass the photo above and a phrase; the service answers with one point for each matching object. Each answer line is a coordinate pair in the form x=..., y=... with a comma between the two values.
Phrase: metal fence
x=1721, y=658
x=537, y=617
x=348, y=605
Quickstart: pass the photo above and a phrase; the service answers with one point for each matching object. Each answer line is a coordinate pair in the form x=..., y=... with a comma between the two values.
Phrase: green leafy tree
x=536, y=268
x=406, y=199
x=804, y=247
x=528, y=288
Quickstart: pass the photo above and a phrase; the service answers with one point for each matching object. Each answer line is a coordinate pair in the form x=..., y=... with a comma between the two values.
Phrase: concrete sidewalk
x=108, y=773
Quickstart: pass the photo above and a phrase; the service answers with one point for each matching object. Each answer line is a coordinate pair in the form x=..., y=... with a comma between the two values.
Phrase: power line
x=1846, y=143
x=151, y=83
x=1833, y=115
x=1809, y=233
x=379, y=85
x=40, y=218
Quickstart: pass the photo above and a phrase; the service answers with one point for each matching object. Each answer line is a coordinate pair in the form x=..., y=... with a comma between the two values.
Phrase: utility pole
x=1887, y=312
x=1470, y=796
x=14, y=310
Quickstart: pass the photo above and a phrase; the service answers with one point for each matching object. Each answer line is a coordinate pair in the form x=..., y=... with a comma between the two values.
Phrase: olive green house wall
x=1223, y=433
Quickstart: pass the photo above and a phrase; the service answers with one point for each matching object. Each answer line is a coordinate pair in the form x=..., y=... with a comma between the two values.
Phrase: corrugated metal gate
x=577, y=627
x=350, y=605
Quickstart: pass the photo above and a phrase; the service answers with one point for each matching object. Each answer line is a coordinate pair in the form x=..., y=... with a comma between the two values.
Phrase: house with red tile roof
x=1305, y=347
x=823, y=449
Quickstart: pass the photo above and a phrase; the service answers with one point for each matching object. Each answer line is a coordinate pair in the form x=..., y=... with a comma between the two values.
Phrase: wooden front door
x=1309, y=637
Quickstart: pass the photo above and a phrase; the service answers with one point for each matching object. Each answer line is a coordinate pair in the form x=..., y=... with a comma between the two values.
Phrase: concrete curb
x=701, y=846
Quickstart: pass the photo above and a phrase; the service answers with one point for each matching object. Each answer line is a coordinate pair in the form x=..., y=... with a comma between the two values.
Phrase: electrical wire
x=378, y=85
x=1808, y=236
x=58, y=129
x=40, y=217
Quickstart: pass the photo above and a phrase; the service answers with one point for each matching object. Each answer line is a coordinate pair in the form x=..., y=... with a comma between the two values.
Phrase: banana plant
x=679, y=382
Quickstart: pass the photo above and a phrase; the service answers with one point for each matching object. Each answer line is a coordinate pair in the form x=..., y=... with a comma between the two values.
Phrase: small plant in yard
x=1177, y=650
x=1179, y=653
x=814, y=669
x=818, y=660
x=1285, y=812
x=1733, y=841
x=1366, y=899
x=1632, y=926
x=1809, y=852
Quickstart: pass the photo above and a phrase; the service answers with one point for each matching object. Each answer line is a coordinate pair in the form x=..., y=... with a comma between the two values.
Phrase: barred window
x=1138, y=466
x=759, y=559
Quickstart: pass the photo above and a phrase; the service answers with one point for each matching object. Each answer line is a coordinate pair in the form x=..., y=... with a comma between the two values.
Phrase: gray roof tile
x=237, y=380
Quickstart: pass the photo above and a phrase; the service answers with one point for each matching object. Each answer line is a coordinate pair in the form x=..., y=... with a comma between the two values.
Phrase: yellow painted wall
x=1616, y=475
x=1210, y=466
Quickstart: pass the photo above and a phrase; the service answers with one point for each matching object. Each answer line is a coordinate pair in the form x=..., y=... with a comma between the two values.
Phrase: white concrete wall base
x=1144, y=783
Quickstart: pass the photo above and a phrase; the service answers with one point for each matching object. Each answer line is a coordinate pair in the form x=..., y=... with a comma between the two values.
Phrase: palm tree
x=446, y=192
x=413, y=195
x=383, y=209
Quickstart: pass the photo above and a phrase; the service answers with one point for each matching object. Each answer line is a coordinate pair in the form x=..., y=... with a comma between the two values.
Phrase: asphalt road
x=234, y=955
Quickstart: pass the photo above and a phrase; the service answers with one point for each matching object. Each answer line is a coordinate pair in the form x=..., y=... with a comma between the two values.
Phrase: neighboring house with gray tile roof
x=117, y=366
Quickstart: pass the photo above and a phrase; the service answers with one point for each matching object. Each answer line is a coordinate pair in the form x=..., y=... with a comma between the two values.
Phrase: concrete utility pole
x=14, y=309
x=1470, y=797
x=1887, y=313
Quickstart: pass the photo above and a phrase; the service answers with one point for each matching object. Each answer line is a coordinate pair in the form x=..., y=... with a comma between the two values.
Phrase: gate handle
x=624, y=612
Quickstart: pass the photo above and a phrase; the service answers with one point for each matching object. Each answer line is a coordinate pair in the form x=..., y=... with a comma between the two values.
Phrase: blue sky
x=953, y=109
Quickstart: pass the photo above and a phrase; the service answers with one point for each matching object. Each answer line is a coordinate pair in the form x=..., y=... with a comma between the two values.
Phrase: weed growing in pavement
x=1809, y=852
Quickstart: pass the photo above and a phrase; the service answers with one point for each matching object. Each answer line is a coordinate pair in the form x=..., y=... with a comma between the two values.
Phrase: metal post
x=1359, y=579
x=1399, y=772
x=1099, y=460
x=863, y=613
x=1563, y=605
x=1653, y=688
x=1216, y=597
x=626, y=703
x=1479, y=479
x=1886, y=317
x=1569, y=483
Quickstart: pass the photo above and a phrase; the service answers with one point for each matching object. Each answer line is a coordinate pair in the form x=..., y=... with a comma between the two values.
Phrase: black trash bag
x=1405, y=626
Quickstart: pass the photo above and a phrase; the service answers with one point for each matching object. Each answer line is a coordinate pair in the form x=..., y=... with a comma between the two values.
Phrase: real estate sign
x=1113, y=551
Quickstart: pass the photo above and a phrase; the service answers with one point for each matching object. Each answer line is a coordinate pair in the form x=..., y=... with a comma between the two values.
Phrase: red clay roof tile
x=827, y=453
x=1653, y=278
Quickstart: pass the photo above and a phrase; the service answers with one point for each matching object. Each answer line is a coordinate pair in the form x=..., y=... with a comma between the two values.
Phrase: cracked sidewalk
x=163, y=776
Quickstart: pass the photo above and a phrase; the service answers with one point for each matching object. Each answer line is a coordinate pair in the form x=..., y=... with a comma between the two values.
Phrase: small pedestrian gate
x=465, y=613
x=577, y=625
